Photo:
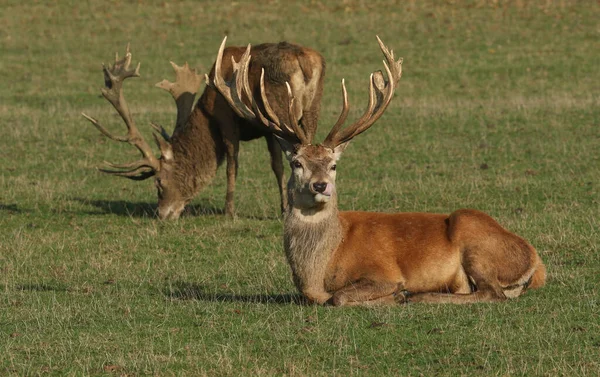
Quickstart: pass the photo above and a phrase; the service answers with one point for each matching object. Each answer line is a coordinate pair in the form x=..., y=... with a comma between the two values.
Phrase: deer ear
x=287, y=147
x=337, y=151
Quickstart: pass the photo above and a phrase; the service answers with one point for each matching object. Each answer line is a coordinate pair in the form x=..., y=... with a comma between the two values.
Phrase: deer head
x=173, y=195
x=312, y=182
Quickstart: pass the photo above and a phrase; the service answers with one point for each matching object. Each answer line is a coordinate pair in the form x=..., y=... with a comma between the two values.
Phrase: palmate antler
x=237, y=92
x=183, y=90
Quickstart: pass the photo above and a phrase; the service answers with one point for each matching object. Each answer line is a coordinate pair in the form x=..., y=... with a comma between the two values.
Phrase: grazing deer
x=210, y=131
x=360, y=258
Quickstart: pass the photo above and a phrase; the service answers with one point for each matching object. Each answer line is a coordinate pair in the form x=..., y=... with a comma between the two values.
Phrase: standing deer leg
x=368, y=292
x=277, y=167
x=232, y=147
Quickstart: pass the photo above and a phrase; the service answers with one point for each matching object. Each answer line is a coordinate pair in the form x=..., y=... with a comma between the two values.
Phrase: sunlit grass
x=497, y=110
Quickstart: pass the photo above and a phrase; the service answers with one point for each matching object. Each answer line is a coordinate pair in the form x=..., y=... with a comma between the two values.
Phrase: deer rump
x=466, y=254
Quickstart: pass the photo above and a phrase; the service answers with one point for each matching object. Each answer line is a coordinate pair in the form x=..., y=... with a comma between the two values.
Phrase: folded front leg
x=368, y=292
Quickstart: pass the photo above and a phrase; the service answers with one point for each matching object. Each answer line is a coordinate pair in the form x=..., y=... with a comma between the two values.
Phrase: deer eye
x=333, y=167
x=297, y=164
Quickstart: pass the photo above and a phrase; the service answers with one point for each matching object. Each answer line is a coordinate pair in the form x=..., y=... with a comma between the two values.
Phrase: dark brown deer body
x=361, y=258
x=211, y=132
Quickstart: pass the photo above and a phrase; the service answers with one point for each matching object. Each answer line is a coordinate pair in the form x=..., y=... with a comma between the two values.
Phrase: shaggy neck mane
x=198, y=150
x=310, y=237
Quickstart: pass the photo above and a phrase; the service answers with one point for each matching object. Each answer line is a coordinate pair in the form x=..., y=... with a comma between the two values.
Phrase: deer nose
x=319, y=187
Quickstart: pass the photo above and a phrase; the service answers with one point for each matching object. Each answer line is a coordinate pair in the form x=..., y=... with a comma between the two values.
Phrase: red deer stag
x=361, y=258
x=210, y=131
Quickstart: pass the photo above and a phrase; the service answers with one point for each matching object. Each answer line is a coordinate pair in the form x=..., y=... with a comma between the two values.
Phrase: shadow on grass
x=10, y=208
x=191, y=291
x=143, y=209
x=42, y=287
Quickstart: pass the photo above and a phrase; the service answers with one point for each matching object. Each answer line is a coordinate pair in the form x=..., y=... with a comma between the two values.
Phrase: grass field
x=498, y=109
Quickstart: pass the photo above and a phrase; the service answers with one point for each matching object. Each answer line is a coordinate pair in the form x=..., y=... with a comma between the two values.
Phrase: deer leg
x=368, y=292
x=232, y=149
x=277, y=167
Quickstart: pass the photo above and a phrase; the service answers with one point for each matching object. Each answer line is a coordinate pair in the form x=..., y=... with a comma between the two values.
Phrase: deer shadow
x=11, y=208
x=190, y=291
x=42, y=287
x=146, y=210
x=150, y=210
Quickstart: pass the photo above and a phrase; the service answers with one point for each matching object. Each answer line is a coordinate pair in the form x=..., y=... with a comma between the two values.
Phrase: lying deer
x=211, y=131
x=359, y=258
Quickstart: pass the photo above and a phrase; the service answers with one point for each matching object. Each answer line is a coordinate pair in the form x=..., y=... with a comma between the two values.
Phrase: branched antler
x=237, y=92
x=381, y=92
x=114, y=76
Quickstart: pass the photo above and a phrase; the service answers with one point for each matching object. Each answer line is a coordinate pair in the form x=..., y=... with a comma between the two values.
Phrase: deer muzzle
x=322, y=191
x=171, y=211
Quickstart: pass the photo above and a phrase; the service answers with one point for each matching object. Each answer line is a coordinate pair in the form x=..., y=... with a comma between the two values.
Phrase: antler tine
x=292, y=132
x=350, y=131
x=137, y=173
x=343, y=115
x=132, y=169
x=263, y=96
x=104, y=131
x=381, y=92
x=161, y=131
x=236, y=103
x=296, y=129
x=114, y=76
x=273, y=123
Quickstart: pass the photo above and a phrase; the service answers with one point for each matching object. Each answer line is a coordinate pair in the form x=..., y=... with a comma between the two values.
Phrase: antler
x=380, y=95
x=113, y=79
x=238, y=87
x=183, y=90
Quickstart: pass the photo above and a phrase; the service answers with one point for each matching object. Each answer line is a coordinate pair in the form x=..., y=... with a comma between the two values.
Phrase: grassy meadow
x=498, y=109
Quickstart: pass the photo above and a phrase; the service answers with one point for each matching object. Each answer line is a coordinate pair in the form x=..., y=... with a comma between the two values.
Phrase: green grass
x=498, y=109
